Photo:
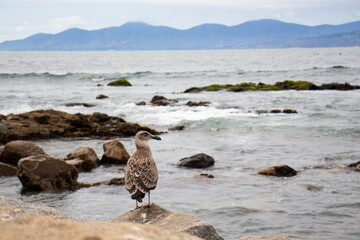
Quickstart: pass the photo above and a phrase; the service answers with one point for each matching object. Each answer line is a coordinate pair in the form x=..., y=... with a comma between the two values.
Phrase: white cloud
x=66, y=22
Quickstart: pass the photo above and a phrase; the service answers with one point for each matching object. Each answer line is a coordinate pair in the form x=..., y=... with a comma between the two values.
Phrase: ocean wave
x=34, y=74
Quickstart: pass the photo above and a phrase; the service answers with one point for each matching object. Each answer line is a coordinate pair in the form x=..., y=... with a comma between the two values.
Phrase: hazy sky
x=22, y=18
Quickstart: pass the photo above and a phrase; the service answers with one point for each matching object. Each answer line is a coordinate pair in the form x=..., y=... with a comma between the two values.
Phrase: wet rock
x=15, y=150
x=338, y=86
x=4, y=133
x=193, y=90
x=177, y=128
x=205, y=175
x=79, y=104
x=27, y=126
x=45, y=228
x=200, y=160
x=114, y=153
x=113, y=181
x=83, y=158
x=142, y=103
x=175, y=222
x=101, y=96
x=43, y=172
x=121, y=82
x=289, y=111
x=279, y=171
x=275, y=111
x=355, y=166
x=162, y=101
x=7, y=170
x=267, y=237
x=198, y=104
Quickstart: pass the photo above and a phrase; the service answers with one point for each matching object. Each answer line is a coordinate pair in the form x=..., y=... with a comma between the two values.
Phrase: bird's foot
x=147, y=205
x=137, y=207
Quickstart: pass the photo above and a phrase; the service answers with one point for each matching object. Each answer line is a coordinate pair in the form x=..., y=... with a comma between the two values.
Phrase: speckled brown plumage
x=141, y=174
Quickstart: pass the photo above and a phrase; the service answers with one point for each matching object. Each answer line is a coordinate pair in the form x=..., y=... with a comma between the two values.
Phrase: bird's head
x=145, y=136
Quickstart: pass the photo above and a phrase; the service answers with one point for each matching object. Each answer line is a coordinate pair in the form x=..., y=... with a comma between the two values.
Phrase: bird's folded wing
x=141, y=174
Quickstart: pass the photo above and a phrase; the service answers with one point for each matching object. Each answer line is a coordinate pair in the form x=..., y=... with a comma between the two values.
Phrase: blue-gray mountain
x=140, y=36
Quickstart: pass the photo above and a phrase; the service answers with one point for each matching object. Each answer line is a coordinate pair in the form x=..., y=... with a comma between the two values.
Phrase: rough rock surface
x=11, y=208
x=4, y=133
x=45, y=228
x=197, y=104
x=162, y=101
x=114, y=153
x=200, y=160
x=88, y=157
x=15, y=150
x=43, y=172
x=279, y=171
x=355, y=166
x=46, y=124
x=175, y=222
x=267, y=237
x=177, y=128
x=101, y=96
x=7, y=170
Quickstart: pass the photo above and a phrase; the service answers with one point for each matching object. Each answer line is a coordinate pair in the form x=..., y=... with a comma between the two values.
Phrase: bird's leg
x=137, y=206
x=149, y=202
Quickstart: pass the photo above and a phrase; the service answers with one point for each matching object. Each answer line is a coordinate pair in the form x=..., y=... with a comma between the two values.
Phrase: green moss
x=120, y=82
x=295, y=85
x=215, y=87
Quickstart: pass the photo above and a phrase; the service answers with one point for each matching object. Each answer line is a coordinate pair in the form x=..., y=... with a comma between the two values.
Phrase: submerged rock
x=197, y=104
x=7, y=170
x=114, y=153
x=83, y=158
x=15, y=150
x=79, y=104
x=162, y=101
x=141, y=103
x=279, y=171
x=58, y=124
x=200, y=160
x=175, y=222
x=43, y=172
x=101, y=96
x=355, y=166
x=45, y=228
x=177, y=128
x=121, y=82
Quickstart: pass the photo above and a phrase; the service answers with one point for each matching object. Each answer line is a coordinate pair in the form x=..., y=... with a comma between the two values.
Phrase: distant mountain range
x=265, y=33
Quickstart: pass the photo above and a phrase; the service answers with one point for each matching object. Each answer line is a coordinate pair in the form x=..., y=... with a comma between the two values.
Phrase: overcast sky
x=22, y=18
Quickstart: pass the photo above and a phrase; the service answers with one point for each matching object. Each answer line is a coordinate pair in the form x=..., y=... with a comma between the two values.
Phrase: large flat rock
x=175, y=222
x=45, y=228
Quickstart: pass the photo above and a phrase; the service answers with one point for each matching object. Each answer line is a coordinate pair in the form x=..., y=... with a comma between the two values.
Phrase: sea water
x=321, y=202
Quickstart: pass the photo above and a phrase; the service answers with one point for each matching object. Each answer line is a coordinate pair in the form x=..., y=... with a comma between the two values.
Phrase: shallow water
x=321, y=202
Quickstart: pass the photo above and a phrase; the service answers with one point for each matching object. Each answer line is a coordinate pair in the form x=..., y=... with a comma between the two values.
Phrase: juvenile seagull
x=141, y=173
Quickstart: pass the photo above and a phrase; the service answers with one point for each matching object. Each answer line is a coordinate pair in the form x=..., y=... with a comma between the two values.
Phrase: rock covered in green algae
x=279, y=86
x=120, y=82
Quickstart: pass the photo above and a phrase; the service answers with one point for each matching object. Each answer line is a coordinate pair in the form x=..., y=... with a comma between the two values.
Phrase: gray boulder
x=43, y=172
x=114, y=153
x=175, y=222
x=15, y=150
x=83, y=158
x=200, y=160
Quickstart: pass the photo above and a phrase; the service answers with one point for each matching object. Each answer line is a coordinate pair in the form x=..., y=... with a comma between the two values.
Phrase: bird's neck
x=142, y=146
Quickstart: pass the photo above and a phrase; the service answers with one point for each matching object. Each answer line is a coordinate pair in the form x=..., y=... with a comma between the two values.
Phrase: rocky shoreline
x=48, y=124
x=29, y=221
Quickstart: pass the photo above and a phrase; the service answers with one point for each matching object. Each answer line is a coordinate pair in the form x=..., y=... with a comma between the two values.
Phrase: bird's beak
x=156, y=137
